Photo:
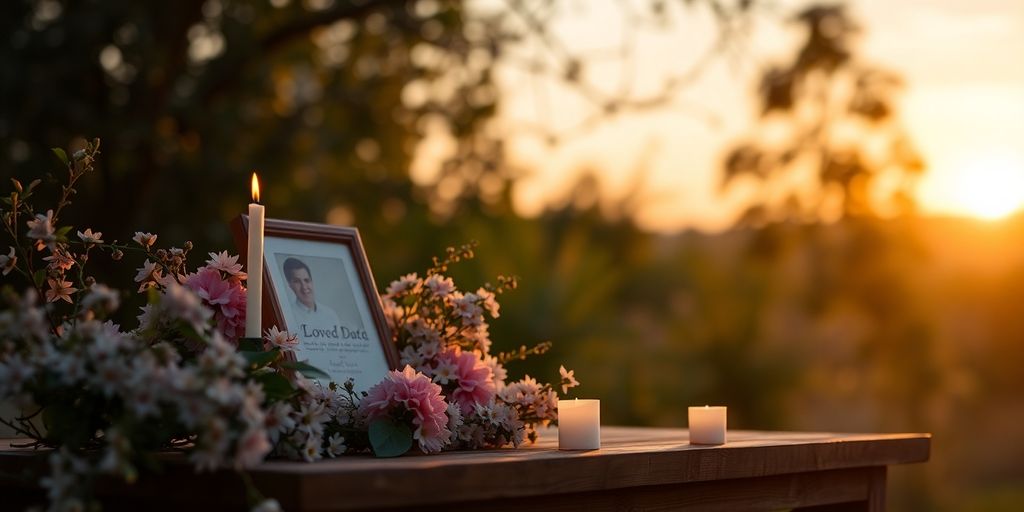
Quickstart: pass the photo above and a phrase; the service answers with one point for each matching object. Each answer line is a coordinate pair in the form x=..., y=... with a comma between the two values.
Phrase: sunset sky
x=962, y=60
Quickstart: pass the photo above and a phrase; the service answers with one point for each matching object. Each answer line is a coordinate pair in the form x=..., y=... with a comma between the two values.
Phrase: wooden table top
x=629, y=457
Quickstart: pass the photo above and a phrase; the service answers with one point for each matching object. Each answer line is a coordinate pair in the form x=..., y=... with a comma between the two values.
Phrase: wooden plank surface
x=630, y=457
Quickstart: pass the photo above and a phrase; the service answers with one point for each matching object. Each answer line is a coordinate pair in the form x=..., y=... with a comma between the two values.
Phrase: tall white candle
x=707, y=425
x=254, y=293
x=579, y=424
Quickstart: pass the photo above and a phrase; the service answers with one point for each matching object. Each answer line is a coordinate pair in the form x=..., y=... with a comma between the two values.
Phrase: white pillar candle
x=254, y=266
x=579, y=424
x=707, y=425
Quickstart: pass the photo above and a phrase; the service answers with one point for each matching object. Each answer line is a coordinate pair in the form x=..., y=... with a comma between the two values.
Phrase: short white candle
x=254, y=266
x=579, y=424
x=707, y=425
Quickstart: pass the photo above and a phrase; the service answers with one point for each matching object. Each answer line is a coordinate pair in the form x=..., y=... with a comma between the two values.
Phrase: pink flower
x=473, y=376
x=411, y=391
x=225, y=298
x=226, y=263
x=60, y=290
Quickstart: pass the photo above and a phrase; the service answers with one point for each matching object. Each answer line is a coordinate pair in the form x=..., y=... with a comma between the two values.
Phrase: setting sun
x=990, y=187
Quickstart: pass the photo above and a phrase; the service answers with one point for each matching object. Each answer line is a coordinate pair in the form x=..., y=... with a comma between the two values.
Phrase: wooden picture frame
x=358, y=345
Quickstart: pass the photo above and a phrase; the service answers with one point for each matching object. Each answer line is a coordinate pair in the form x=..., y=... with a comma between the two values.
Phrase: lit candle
x=254, y=294
x=579, y=424
x=707, y=425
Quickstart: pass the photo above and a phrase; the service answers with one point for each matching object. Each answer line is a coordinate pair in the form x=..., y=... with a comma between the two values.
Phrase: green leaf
x=39, y=277
x=275, y=386
x=60, y=154
x=256, y=360
x=390, y=438
x=306, y=369
x=250, y=344
x=63, y=231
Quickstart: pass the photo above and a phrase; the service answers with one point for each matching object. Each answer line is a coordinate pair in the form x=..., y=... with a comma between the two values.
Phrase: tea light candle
x=254, y=268
x=707, y=425
x=579, y=424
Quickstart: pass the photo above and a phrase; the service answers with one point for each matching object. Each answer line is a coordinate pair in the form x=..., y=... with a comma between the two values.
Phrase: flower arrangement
x=108, y=399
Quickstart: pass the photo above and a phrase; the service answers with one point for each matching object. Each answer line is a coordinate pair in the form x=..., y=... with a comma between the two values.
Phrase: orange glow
x=255, y=188
x=990, y=187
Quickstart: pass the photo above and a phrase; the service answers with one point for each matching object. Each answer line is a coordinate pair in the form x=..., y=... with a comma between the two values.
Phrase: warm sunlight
x=990, y=187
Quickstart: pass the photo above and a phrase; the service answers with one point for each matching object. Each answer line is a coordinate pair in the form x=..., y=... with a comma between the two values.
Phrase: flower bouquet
x=108, y=399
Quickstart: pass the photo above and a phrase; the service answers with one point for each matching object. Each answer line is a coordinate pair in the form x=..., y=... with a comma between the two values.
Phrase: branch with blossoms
x=107, y=399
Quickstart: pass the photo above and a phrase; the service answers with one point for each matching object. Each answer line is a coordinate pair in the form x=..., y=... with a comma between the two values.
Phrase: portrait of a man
x=313, y=319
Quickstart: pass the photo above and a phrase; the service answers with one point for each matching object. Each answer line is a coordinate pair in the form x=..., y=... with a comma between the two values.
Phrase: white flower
x=41, y=230
x=311, y=417
x=446, y=371
x=144, y=239
x=101, y=296
x=14, y=372
x=8, y=261
x=226, y=263
x=89, y=237
x=311, y=450
x=178, y=302
x=439, y=285
x=568, y=380
x=70, y=368
x=223, y=392
x=468, y=309
x=428, y=350
x=336, y=445
x=486, y=413
x=455, y=420
x=148, y=275
x=410, y=357
x=278, y=420
x=498, y=371
x=252, y=448
x=109, y=376
x=409, y=282
x=281, y=339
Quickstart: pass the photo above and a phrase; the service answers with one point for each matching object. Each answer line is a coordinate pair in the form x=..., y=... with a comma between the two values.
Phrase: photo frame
x=317, y=284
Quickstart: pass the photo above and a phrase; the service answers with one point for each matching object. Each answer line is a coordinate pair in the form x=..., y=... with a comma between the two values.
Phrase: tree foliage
x=830, y=117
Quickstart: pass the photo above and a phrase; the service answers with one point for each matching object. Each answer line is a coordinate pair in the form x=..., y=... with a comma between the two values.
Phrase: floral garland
x=107, y=400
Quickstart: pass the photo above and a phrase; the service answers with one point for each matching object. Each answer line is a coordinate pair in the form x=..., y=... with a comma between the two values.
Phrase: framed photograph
x=317, y=284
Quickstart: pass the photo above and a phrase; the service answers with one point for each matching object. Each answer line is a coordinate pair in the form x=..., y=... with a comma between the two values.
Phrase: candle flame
x=255, y=188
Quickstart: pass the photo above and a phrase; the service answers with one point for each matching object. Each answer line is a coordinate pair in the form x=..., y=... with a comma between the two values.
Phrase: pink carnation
x=474, y=378
x=409, y=390
x=225, y=297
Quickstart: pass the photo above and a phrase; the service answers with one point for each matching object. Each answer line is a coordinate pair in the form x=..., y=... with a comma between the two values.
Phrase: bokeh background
x=806, y=211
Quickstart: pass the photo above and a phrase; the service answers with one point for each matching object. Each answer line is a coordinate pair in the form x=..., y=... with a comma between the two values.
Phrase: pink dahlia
x=411, y=391
x=225, y=297
x=473, y=377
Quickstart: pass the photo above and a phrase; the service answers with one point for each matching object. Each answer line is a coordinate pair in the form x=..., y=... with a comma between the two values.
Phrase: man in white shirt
x=312, y=320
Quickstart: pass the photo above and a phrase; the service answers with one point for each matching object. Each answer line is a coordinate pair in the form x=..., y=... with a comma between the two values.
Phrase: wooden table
x=636, y=469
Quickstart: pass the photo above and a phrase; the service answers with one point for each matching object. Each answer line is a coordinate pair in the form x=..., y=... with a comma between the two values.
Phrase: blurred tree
x=830, y=117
